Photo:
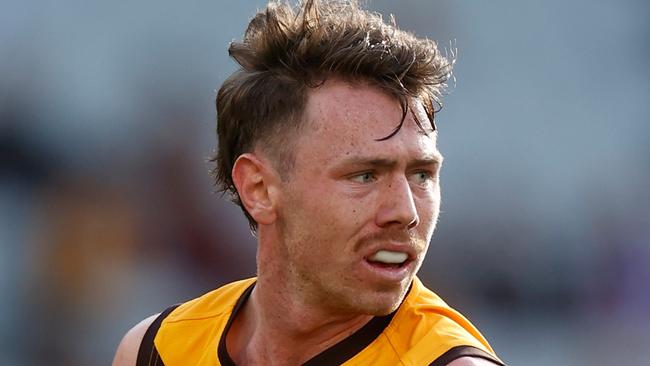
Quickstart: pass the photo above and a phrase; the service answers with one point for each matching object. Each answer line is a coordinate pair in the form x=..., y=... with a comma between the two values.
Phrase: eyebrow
x=432, y=159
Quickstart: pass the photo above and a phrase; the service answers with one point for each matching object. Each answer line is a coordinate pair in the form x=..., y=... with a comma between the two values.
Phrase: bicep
x=127, y=351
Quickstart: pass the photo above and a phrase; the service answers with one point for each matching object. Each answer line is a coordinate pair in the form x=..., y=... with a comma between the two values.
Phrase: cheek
x=339, y=218
x=429, y=208
x=337, y=204
x=358, y=211
x=326, y=211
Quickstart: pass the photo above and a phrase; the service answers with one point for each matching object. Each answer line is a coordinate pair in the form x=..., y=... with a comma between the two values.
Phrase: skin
x=346, y=197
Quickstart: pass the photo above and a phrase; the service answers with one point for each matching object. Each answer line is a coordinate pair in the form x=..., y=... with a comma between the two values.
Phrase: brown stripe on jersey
x=464, y=351
x=350, y=346
x=222, y=351
x=147, y=353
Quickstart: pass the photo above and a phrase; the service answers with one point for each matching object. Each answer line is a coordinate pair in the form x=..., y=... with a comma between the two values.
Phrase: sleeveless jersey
x=423, y=331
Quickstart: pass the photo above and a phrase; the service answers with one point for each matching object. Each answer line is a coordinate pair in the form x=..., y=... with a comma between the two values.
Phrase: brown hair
x=286, y=51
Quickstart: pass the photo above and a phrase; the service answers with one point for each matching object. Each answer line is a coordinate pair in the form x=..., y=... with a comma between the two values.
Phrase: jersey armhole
x=147, y=353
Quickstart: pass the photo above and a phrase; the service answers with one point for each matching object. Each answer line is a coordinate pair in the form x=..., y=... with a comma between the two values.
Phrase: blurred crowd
x=108, y=213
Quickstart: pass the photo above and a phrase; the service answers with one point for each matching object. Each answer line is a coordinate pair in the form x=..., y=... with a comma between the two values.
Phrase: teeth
x=389, y=257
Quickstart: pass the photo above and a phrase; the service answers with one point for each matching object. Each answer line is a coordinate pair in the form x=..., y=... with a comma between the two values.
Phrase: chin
x=385, y=311
x=382, y=309
x=382, y=304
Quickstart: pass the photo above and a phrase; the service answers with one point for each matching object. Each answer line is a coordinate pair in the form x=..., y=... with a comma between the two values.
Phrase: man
x=327, y=142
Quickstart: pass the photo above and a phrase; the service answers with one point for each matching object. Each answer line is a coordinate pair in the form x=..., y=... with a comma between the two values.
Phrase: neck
x=289, y=330
x=278, y=326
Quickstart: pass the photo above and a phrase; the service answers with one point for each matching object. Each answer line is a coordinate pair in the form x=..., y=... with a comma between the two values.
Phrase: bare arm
x=471, y=361
x=127, y=351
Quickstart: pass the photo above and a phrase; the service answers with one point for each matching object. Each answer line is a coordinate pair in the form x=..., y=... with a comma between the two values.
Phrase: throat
x=266, y=335
x=325, y=348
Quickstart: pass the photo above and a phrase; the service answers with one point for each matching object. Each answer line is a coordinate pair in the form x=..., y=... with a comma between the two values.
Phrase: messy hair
x=287, y=50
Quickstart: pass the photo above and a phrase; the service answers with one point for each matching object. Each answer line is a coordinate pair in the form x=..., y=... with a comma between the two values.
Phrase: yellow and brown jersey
x=423, y=331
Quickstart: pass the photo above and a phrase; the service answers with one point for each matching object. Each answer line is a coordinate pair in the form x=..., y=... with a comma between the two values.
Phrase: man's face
x=356, y=214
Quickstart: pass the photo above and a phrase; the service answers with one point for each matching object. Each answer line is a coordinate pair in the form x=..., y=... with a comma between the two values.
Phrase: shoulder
x=423, y=308
x=471, y=361
x=127, y=351
x=457, y=341
x=212, y=304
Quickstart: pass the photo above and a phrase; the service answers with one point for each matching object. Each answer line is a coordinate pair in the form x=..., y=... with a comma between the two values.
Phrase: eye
x=365, y=177
x=423, y=177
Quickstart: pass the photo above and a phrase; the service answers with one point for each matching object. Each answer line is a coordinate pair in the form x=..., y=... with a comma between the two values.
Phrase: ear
x=252, y=178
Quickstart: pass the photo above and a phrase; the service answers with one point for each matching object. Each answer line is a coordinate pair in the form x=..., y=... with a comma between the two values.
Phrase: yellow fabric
x=423, y=329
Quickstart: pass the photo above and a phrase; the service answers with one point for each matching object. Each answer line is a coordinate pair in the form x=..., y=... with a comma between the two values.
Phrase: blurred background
x=108, y=215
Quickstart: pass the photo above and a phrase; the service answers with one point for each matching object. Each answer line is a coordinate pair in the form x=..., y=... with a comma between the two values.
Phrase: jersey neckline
x=334, y=355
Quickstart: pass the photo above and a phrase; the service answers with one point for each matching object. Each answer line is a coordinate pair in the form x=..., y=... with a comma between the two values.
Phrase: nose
x=397, y=205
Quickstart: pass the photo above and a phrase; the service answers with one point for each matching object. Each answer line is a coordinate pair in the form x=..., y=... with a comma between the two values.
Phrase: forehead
x=350, y=118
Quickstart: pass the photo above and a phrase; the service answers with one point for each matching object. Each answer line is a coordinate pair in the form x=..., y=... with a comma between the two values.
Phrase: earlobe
x=252, y=180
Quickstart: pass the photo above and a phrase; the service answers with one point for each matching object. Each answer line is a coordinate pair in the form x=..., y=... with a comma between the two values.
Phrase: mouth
x=389, y=265
x=388, y=259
